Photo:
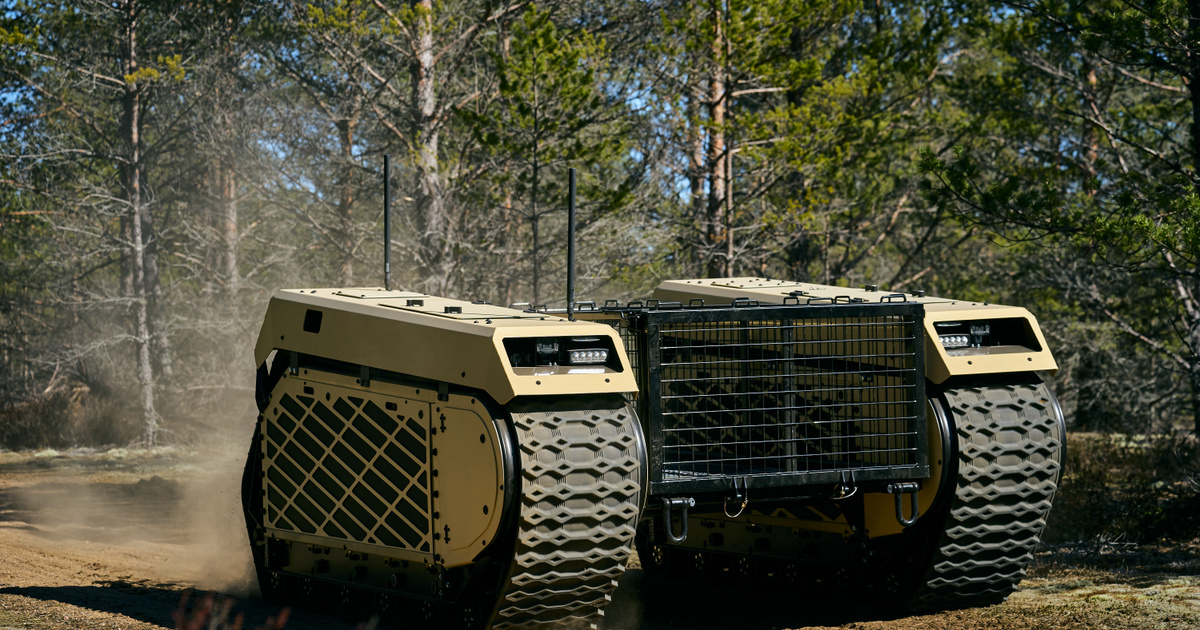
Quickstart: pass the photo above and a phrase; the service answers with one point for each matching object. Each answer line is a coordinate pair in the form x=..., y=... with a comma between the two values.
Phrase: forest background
x=166, y=165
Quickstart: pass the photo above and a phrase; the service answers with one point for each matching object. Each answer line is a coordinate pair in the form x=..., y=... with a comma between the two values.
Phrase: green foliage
x=1077, y=143
x=1057, y=172
x=550, y=112
x=1123, y=488
x=550, y=100
x=826, y=104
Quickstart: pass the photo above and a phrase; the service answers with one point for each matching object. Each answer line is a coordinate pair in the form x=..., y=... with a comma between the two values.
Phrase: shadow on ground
x=636, y=605
x=643, y=604
x=155, y=603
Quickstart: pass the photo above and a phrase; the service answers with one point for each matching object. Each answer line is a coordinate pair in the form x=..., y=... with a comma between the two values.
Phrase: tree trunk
x=1091, y=135
x=229, y=238
x=696, y=164
x=126, y=226
x=1194, y=377
x=715, y=232
x=1194, y=77
x=1194, y=94
x=345, y=206
x=430, y=197
x=138, y=218
x=155, y=300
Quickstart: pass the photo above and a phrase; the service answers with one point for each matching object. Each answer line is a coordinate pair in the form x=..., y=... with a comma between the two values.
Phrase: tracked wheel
x=1007, y=456
x=270, y=584
x=583, y=483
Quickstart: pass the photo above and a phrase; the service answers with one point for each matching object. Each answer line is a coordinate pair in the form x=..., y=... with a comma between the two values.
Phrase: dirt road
x=116, y=539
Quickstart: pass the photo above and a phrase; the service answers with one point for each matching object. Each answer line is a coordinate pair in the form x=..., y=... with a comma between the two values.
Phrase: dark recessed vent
x=312, y=321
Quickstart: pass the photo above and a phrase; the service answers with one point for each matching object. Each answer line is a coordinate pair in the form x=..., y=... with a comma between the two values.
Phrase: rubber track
x=1010, y=445
x=581, y=489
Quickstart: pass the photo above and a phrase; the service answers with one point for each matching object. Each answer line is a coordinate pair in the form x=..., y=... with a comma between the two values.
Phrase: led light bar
x=955, y=341
x=588, y=356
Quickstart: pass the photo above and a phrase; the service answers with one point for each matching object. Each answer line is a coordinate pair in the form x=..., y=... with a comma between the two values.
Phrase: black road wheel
x=1004, y=466
x=269, y=583
x=574, y=451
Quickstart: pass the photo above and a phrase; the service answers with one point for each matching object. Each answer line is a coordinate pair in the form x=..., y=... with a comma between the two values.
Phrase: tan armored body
x=475, y=466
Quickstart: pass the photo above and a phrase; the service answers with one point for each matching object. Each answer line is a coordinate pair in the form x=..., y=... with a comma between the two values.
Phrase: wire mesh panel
x=782, y=395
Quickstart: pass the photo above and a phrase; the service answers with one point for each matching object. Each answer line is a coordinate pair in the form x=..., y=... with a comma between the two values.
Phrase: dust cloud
x=216, y=554
x=179, y=508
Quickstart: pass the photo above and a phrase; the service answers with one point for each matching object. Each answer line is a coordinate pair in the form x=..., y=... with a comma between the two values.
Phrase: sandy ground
x=117, y=539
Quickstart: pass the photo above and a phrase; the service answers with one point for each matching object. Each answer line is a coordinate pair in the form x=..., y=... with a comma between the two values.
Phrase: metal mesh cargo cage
x=780, y=395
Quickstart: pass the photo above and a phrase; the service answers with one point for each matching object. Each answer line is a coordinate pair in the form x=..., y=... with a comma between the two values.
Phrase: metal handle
x=910, y=488
x=683, y=503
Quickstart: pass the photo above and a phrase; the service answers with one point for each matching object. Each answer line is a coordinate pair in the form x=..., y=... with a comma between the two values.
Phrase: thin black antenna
x=571, y=245
x=387, y=222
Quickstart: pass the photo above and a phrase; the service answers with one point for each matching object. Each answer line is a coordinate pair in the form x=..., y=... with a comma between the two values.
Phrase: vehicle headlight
x=588, y=356
x=955, y=341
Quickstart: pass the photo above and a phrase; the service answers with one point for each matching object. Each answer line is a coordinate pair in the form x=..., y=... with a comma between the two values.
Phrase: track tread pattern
x=581, y=493
x=1009, y=463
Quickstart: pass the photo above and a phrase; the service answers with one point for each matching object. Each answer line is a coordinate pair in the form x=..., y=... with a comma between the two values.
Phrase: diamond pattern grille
x=343, y=467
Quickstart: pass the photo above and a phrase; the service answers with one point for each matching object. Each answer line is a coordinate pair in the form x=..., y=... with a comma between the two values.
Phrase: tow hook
x=739, y=498
x=846, y=488
x=682, y=503
x=899, y=489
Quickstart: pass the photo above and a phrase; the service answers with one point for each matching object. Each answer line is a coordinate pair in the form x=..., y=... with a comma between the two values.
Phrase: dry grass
x=65, y=419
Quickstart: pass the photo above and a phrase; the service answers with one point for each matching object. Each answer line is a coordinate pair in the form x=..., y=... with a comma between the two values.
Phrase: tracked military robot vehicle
x=478, y=466
x=946, y=453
